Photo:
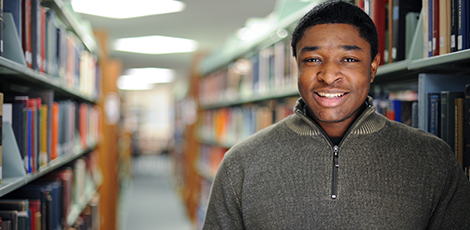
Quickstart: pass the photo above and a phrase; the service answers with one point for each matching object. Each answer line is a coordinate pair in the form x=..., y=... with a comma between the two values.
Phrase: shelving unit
x=402, y=73
x=17, y=79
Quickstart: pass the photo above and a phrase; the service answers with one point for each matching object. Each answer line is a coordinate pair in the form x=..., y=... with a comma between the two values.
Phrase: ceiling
x=208, y=22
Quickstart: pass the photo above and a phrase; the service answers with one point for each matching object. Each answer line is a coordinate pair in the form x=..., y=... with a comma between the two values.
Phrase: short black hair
x=338, y=12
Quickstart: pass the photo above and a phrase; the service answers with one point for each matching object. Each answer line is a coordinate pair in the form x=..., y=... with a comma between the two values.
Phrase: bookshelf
x=72, y=85
x=216, y=94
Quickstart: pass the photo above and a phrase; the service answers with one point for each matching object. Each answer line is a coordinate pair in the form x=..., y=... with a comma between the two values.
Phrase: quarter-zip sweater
x=382, y=175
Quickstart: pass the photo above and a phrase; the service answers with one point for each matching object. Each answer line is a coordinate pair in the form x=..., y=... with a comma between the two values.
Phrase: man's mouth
x=330, y=95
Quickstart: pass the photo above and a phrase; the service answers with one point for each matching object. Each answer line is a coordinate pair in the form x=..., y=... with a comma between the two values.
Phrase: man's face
x=335, y=71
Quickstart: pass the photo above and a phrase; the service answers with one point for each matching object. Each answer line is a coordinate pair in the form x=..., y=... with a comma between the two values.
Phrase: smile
x=331, y=95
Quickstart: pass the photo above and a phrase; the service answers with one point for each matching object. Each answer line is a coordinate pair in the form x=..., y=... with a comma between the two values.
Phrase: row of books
x=446, y=26
x=209, y=159
x=449, y=119
x=396, y=22
x=46, y=130
x=60, y=200
x=50, y=48
x=400, y=106
x=268, y=71
x=447, y=115
x=226, y=126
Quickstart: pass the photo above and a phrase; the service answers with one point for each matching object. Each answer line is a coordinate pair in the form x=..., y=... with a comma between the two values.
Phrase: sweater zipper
x=334, y=180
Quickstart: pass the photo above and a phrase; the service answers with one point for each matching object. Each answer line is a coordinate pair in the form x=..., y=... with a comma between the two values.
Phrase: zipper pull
x=335, y=172
x=336, y=150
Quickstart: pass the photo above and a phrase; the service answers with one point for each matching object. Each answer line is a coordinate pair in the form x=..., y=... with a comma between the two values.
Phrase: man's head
x=341, y=13
x=337, y=62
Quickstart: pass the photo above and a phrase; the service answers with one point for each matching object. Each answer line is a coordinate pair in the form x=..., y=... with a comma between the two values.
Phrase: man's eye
x=311, y=60
x=350, y=60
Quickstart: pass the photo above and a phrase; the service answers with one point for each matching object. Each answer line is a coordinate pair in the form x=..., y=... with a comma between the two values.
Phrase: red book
x=43, y=39
x=55, y=130
x=378, y=15
x=26, y=32
x=435, y=27
x=35, y=210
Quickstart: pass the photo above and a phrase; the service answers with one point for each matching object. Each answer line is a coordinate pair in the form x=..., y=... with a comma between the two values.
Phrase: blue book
x=462, y=36
x=430, y=28
x=434, y=113
x=36, y=34
x=396, y=104
x=453, y=27
x=14, y=7
x=29, y=146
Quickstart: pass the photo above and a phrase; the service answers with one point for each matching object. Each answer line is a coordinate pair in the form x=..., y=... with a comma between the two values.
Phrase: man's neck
x=336, y=130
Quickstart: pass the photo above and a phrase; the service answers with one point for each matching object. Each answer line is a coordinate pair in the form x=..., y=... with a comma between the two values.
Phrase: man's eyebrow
x=315, y=48
x=309, y=49
x=350, y=47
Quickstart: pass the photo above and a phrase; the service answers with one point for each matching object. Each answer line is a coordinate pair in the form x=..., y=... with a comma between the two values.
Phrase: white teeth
x=331, y=95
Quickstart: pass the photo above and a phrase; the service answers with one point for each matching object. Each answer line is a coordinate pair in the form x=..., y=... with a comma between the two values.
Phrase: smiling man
x=335, y=163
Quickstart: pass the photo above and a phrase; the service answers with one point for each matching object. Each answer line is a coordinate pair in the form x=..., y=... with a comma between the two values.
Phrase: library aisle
x=152, y=202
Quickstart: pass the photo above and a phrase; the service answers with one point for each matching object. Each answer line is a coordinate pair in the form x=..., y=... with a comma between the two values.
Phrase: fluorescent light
x=155, y=45
x=120, y=9
x=144, y=78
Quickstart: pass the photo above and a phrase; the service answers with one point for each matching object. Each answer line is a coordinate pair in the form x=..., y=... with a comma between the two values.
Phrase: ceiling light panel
x=155, y=45
x=122, y=9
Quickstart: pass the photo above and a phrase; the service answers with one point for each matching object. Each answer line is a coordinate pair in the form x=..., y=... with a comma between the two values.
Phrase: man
x=335, y=163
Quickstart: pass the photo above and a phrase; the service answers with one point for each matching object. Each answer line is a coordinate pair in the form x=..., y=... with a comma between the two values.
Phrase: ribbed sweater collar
x=368, y=122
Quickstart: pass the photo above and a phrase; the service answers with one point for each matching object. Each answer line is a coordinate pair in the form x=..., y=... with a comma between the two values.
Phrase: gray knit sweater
x=385, y=175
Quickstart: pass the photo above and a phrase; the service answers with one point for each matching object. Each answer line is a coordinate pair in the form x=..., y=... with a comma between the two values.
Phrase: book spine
x=1, y=126
x=461, y=24
x=466, y=125
x=35, y=35
x=1, y=28
x=434, y=114
x=444, y=116
x=458, y=129
x=430, y=27
x=435, y=27
x=453, y=26
x=26, y=32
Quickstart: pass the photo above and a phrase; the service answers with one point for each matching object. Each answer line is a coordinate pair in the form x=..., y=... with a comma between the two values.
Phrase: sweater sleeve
x=224, y=208
x=453, y=206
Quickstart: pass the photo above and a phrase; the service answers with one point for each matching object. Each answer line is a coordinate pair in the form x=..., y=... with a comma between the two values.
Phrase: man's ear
x=374, y=65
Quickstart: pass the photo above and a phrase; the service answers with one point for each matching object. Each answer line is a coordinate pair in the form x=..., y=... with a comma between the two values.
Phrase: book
x=65, y=176
x=26, y=32
x=435, y=27
x=458, y=129
x=35, y=210
x=462, y=36
x=434, y=113
x=447, y=115
x=18, y=125
x=14, y=7
x=400, y=9
x=444, y=26
x=1, y=120
x=20, y=205
x=42, y=39
x=453, y=25
x=35, y=35
x=378, y=15
x=435, y=83
x=12, y=216
x=55, y=131
x=466, y=157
